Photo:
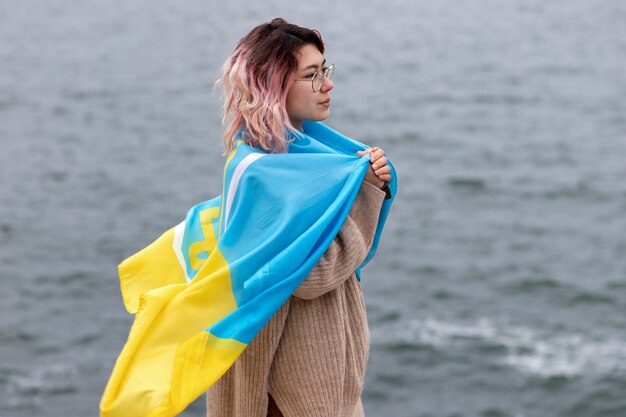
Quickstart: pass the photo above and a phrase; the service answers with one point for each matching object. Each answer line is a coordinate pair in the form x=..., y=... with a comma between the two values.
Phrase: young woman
x=310, y=358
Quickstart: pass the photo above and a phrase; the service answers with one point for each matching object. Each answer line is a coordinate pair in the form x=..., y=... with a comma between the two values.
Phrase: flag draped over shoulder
x=205, y=288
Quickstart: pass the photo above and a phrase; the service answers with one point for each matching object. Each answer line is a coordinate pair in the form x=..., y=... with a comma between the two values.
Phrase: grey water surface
x=499, y=288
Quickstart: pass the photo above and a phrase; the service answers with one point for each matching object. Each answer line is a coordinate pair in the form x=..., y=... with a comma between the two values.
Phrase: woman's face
x=302, y=102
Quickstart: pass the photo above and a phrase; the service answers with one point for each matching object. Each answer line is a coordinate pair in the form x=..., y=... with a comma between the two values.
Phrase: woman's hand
x=379, y=173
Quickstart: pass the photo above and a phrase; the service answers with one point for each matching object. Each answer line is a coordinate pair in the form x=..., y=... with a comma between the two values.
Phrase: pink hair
x=255, y=81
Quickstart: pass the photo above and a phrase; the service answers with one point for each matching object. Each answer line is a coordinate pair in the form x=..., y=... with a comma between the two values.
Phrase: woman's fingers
x=379, y=163
x=385, y=177
x=384, y=173
x=377, y=153
x=383, y=170
x=378, y=160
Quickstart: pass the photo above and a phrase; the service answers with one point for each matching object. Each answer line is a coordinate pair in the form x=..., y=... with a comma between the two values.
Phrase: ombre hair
x=255, y=81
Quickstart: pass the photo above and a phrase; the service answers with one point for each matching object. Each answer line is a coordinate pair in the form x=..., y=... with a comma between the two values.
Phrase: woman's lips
x=325, y=103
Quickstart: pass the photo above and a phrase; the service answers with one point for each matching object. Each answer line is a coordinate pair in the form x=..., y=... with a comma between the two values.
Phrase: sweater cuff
x=373, y=193
x=387, y=191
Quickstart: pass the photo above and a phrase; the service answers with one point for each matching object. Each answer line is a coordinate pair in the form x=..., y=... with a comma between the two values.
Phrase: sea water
x=499, y=288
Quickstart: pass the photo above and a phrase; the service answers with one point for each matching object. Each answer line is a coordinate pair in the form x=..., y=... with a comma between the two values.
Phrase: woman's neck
x=297, y=124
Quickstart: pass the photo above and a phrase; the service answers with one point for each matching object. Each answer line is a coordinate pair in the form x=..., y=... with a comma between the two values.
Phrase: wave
x=527, y=350
x=28, y=388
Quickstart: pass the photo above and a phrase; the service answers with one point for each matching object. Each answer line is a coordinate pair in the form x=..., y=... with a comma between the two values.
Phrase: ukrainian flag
x=205, y=288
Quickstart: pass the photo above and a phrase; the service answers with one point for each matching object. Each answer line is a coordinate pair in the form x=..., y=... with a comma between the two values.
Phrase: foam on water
x=28, y=388
x=525, y=349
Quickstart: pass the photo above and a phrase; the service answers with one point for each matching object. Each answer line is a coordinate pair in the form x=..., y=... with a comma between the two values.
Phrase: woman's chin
x=323, y=116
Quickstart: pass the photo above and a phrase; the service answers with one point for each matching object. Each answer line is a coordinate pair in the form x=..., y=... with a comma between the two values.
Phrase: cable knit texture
x=309, y=359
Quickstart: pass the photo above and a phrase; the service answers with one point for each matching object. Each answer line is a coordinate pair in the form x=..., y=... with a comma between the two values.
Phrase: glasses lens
x=318, y=78
x=330, y=72
x=318, y=81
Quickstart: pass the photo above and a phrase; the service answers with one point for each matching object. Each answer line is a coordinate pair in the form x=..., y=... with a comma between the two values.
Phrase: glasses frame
x=328, y=72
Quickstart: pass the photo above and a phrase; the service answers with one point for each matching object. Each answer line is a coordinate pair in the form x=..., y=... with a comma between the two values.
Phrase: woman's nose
x=327, y=85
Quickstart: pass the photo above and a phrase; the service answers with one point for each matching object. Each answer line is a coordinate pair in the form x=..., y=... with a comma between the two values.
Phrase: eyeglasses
x=317, y=79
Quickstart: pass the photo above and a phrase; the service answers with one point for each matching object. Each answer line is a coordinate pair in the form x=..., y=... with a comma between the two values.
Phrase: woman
x=309, y=359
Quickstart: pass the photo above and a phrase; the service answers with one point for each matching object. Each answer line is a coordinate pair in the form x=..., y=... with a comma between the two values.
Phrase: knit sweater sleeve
x=349, y=248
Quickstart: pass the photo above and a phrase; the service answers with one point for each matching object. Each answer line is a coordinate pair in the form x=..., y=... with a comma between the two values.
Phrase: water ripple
x=525, y=349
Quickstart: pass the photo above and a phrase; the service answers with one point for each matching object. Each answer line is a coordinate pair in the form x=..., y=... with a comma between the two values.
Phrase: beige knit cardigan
x=309, y=359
